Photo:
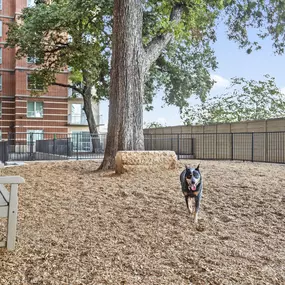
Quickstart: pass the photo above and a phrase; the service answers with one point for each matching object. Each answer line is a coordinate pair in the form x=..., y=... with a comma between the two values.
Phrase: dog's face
x=192, y=177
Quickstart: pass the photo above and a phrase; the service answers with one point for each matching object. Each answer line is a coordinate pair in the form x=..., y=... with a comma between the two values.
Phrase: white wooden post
x=9, y=207
x=12, y=217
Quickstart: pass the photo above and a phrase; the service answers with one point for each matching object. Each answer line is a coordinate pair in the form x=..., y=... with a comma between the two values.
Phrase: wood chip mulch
x=77, y=226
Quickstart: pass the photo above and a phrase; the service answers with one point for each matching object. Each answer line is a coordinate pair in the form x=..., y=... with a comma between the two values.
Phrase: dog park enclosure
x=262, y=140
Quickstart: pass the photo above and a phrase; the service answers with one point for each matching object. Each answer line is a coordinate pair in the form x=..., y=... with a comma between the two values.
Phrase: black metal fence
x=259, y=147
x=183, y=145
x=4, y=151
x=263, y=147
x=46, y=146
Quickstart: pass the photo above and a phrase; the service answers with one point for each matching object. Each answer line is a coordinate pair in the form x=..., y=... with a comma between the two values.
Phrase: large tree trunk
x=87, y=99
x=130, y=64
x=125, y=125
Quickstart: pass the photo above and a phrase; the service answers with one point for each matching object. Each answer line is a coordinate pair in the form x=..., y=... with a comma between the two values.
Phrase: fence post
x=283, y=149
x=31, y=144
x=203, y=136
x=266, y=147
x=67, y=146
x=232, y=149
x=53, y=147
x=8, y=144
x=216, y=157
x=2, y=152
x=252, y=146
x=178, y=147
x=77, y=143
x=9, y=138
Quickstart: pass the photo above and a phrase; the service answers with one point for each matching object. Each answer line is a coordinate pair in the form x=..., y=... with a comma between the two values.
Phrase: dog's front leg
x=189, y=204
x=197, y=206
x=196, y=217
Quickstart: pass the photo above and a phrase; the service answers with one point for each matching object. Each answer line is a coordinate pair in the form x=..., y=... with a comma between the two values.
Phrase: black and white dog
x=192, y=187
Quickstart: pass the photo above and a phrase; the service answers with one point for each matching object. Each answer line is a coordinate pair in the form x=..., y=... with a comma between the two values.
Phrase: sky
x=233, y=62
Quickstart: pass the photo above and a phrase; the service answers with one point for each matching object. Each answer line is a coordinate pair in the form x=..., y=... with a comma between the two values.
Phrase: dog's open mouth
x=193, y=187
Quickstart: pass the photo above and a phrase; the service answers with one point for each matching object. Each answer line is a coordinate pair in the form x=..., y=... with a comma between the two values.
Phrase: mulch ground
x=77, y=226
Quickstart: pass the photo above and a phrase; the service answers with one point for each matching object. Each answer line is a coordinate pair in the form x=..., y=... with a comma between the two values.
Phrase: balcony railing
x=77, y=120
x=35, y=114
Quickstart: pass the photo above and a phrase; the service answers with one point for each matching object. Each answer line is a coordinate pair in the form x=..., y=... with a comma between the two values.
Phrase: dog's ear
x=197, y=168
x=186, y=166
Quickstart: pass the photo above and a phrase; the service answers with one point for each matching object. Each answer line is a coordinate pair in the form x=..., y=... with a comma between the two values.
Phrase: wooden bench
x=9, y=208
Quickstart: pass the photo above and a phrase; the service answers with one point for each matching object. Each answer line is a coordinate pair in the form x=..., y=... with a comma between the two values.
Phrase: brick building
x=21, y=113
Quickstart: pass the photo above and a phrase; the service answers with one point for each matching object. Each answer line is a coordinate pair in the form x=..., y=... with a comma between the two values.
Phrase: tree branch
x=155, y=47
x=57, y=47
x=69, y=86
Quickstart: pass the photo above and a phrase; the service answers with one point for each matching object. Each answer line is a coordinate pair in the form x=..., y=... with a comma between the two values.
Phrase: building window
x=1, y=26
x=0, y=135
x=35, y=110
x=1, y=51
x=30, y=3
x=1, y=4
x=34, y=83
x=0, y=109
x=77, y=115
x=34, y=135
x=32, y=59
x=69, y=92
x=1, y=82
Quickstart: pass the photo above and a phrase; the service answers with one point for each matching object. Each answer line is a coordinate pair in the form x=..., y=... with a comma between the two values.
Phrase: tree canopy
x=153, y=125
x=182, y=68
x=65, y=34
x=183, y=65
x=245, y=100
x=167, y=44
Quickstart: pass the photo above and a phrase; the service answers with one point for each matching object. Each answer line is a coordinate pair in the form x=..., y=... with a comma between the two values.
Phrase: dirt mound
x=77, y=226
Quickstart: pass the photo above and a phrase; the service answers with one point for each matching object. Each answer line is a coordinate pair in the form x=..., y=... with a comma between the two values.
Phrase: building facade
x=24, y=117
x=77, y=122
x=20, y=112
